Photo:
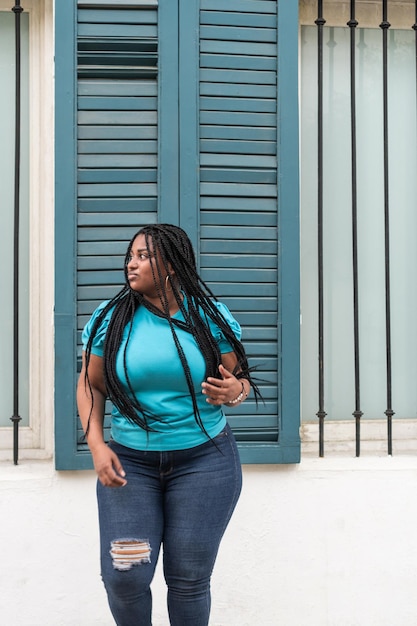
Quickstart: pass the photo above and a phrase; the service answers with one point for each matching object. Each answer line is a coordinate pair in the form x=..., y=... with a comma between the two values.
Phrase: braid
x=175, y=248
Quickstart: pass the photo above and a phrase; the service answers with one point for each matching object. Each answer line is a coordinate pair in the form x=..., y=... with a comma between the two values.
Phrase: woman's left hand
x=221, y=390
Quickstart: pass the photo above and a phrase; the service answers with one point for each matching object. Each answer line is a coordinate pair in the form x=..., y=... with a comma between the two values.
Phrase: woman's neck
x=172, y=303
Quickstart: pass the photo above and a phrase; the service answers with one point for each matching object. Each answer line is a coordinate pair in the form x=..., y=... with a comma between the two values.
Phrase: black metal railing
x=384, y=25
x=321, y=413
x=17, y=9
x=353, y=23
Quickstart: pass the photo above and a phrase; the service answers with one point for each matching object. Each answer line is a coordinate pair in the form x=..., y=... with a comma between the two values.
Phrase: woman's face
x=140, y=266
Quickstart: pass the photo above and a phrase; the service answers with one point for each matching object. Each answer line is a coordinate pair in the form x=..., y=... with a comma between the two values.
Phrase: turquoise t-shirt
x=158, y=380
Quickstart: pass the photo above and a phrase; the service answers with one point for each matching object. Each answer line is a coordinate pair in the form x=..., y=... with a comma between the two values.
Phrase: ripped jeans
x=183, y=500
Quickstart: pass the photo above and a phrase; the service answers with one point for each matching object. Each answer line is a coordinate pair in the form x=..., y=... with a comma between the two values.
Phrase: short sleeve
x=223, y=344
x=98, y=342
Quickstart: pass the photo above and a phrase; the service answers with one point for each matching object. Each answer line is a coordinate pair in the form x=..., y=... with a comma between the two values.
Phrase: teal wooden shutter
x=238, y=173
x=153, y=106
x=238, y=88
x=117, y=146
x=116, y=139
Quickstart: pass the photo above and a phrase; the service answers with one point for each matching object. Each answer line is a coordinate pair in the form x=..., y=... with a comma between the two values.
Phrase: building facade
x=282, y=137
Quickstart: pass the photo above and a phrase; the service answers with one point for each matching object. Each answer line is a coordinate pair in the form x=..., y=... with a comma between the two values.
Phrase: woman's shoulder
x=100, y=330
x=229, y=318
x=100, y=310
x=222, y=308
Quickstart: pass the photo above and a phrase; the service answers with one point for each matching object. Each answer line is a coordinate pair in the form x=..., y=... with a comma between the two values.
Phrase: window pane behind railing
x=7, y=134
x=337, y=222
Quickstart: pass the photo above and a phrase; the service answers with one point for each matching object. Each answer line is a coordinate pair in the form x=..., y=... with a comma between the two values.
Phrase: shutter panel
x=117, y=55
x=238, y=165
x=214, y=83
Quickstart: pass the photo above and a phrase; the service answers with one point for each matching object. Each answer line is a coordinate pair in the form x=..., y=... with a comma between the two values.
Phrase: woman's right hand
x=108, y=467
x=91, y=400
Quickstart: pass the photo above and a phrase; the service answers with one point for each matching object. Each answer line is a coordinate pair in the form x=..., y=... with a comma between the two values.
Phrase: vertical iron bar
x=352, y=23
x=17, y=9
x=321, y=414
x=389, y=412
x=414, y=27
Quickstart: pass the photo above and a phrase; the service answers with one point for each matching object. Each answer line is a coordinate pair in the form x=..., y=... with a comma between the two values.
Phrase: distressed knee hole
x=126, y=553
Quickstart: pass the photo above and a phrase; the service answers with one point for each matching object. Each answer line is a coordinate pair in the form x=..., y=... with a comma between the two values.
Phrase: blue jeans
x=182, y=499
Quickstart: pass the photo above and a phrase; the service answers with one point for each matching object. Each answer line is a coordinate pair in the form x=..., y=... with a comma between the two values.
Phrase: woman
x=168, y=355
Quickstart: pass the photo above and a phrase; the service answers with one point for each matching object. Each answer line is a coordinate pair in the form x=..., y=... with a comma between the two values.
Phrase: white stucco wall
x=328, y=542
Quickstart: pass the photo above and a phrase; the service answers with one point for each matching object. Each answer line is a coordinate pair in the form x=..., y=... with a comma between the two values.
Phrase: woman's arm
x=227, y=390
x=91, y=399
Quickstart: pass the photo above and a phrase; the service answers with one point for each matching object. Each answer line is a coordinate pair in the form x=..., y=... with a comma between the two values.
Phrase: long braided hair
x=175, y=249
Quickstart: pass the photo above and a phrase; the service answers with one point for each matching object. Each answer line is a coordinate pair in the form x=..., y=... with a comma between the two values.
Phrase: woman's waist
x=164, y=434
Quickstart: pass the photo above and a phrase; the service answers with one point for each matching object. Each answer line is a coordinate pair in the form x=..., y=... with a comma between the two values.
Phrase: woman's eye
x=142, y=256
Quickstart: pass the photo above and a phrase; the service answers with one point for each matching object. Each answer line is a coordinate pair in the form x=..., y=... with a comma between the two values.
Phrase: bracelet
x=239, y=397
